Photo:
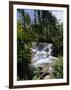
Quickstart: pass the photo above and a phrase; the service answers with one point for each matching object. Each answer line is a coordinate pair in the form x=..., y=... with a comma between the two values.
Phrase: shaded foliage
x=58, y=68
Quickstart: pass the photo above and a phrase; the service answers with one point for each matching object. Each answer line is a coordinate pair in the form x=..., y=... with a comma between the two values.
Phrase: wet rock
x=43, y=75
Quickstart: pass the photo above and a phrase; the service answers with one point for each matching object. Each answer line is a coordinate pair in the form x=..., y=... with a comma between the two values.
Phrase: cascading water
x=41, y=54
x=42, y=57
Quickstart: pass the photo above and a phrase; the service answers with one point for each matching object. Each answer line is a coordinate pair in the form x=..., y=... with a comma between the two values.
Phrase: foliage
x=58, y=68
x=36, y=74
x=23, y=53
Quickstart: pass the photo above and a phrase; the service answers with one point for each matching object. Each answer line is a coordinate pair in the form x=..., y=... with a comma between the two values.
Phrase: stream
x=42, y=57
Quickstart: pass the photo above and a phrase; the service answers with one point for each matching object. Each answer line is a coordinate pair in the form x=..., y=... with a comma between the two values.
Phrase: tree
x=25, y=18
x=23, y=53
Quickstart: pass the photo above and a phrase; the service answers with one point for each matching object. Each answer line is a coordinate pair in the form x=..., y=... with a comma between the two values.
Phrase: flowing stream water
x=42, y=56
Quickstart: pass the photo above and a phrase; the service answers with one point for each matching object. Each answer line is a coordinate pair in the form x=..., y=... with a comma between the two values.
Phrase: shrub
x=58, y=68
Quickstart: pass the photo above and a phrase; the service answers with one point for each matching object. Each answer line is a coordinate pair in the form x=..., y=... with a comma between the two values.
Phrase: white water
x=41, y=54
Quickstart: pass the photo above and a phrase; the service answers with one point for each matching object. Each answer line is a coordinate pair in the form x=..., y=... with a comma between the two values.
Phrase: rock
x=50, y=70
x=47, y=77
x=43, y=75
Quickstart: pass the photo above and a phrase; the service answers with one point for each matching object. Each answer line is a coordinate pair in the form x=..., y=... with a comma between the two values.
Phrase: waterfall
x=41, y=54
x=42, y=58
